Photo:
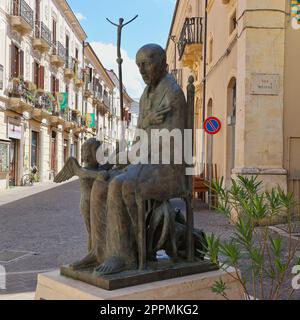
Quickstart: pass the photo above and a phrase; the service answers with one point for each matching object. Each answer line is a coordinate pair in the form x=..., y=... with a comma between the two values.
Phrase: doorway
x=13, y=162
x=53, y=152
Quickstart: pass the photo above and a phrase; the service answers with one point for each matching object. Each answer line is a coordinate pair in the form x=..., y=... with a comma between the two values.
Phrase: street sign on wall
x=212, y=125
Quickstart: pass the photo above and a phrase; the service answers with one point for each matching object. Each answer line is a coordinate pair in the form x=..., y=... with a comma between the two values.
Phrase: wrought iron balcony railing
x=66, y=115
x=69, y=63
x=191, y=34
x=106, y=101
x=42, y=32
x=74, y=116
x=79, y=74
x=22, y=9
x=98, y=95
x=59, y=49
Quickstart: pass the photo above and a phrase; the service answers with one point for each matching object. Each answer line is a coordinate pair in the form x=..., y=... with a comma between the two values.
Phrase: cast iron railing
x=42, y=32
x=69, y=63
x=191, y=34
x=22, y=9
x=58, y=49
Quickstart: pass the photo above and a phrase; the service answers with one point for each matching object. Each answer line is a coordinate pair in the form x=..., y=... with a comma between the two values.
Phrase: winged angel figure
x=87, y=175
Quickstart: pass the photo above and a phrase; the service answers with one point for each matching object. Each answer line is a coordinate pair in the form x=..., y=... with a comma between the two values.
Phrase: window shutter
x=13, y=62
x=42, y=78
x=57, y=85
x=91, y=74
x=35, y=74
x=21, y=63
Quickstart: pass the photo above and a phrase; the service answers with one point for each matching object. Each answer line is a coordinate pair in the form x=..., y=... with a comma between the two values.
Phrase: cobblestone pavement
x=50, y=227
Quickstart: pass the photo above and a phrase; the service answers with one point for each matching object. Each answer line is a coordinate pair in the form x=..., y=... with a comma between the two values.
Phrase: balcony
x=191, y=41
x=67, y=119
x=97, y=100
x=42, y=38
x=21, y=98
x=58, y=56
x=79, y=78
x=21, y=19
x=69, y=68
x=88, y=92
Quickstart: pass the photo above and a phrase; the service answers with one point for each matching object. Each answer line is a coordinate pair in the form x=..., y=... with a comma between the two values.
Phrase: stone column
x=259, y=129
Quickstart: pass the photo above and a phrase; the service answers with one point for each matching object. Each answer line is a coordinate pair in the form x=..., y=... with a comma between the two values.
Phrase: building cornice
x=89, y=53
x=172, y=24
x=71, y=18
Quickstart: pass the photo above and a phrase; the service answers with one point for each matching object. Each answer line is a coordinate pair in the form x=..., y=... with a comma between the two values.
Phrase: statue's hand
x=68, y=171
x=157, y=116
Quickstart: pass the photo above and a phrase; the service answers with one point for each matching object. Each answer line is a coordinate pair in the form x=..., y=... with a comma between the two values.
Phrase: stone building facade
x=54, y=91
x=243, y=55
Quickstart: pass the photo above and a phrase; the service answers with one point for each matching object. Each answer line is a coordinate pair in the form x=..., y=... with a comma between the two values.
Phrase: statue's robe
x=114, y=208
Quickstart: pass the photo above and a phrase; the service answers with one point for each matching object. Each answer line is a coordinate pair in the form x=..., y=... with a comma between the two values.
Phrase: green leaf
x=232, y=251
x=212, y=248
x=220, y=288
x=276, y=245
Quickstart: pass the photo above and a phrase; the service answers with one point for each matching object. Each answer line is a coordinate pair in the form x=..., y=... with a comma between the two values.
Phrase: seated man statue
x=113, y=200
x=162, y=106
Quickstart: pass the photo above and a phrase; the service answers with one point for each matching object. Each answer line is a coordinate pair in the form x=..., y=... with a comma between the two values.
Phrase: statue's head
x=152, y=62
x=89, y=151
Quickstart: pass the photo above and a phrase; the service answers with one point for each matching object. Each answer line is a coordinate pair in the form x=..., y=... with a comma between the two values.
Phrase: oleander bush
x=264, y=257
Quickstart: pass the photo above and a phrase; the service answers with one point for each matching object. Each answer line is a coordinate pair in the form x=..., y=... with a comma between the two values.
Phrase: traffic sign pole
x=212, y=126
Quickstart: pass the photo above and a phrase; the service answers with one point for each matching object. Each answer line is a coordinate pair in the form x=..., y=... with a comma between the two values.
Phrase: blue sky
x=152, y=26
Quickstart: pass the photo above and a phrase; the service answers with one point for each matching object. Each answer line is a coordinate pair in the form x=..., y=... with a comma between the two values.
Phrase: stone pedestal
x=53, y=286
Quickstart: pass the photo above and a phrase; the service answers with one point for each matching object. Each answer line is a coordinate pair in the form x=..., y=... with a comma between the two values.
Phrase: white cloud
x=80, y=16
x=132, y=79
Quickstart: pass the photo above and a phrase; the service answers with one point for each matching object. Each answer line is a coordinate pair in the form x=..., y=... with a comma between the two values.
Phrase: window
x=37, y=10
x=39, y=75
x=1, y=76
x=76, y=101
x=34, y=149
x=54, y=27
x=54, y=85
x=232, y=22
x=210, y=48
x=67, y=46
x=17, y=62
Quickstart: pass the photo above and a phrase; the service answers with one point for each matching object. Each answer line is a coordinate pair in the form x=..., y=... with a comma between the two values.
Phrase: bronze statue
x=88, y=175
x=116, y=194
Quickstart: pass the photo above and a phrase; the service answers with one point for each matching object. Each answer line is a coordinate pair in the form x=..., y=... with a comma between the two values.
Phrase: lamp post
x=120, y=27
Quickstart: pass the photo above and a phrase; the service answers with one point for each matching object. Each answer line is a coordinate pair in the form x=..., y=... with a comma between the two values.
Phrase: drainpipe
x=204, y=82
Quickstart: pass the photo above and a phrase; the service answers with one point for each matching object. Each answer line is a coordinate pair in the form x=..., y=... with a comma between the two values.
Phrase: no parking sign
x=212, y=125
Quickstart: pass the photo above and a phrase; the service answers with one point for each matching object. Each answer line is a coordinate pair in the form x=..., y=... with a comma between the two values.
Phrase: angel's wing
x=68, y=171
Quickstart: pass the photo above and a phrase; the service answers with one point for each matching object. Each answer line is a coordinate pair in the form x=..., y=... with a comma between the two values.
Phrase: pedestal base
x=53, y=286
x=156, y=271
